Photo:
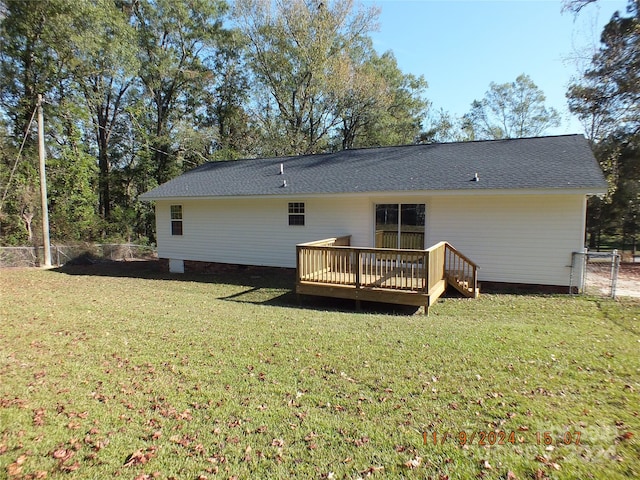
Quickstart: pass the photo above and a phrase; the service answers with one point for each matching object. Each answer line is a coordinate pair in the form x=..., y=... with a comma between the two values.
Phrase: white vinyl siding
x=515, y=239
x=256, y=231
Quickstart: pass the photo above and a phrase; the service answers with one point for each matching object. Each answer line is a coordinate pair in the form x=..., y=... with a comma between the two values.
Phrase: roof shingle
x=558, y=162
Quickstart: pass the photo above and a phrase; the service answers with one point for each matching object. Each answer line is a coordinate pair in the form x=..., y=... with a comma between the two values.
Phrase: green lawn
x=104, y=374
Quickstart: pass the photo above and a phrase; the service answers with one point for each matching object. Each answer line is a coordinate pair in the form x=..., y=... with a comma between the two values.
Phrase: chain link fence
x=62, y=254
x=595, y=273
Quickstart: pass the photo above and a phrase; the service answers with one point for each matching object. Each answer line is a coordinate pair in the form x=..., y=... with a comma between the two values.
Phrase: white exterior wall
x=256, y=231
x=513, y=238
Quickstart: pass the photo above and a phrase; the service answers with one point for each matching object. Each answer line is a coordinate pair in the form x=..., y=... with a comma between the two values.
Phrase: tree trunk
x=27, y=218
x=103, y=182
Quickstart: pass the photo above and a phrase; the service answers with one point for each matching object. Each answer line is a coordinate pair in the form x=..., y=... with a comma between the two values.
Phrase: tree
x=298, y=51
x=104, y=69
x=135, y=92
x=441, y=127
x=608, y=97
x=379, y=105
x=226, y=106
x=607, y=101
x=176, y=42
x=34, y=42
x=510, y=110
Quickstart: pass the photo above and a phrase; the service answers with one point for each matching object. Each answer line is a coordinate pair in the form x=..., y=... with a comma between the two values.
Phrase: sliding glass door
x=400, y=225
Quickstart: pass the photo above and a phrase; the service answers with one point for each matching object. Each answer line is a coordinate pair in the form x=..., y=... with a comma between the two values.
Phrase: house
x=516, y=207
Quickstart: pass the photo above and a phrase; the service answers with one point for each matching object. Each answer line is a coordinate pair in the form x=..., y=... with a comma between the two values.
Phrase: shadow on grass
x=264, y=286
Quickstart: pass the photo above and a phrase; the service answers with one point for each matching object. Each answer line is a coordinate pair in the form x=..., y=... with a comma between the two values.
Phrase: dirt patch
x=598, y=280
x=628, y=280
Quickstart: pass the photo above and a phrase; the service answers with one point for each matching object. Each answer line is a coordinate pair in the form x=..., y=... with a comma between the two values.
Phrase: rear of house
x=517, y=207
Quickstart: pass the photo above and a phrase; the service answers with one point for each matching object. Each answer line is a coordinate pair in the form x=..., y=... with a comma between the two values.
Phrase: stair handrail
x=467, y=260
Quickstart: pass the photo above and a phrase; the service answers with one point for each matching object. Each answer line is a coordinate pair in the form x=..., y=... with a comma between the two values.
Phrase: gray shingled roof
x=559, y=162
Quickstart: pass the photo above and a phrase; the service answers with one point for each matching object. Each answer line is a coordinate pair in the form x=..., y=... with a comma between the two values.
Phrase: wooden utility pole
x=43, y=186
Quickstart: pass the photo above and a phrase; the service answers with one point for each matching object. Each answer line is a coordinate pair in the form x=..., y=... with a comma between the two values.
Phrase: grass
x=153, y=376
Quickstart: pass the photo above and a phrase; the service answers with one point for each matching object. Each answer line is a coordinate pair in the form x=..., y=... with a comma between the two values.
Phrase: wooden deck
x=333, y=268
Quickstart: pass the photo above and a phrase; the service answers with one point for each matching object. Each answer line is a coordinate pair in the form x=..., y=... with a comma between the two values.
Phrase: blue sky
x=462, y=46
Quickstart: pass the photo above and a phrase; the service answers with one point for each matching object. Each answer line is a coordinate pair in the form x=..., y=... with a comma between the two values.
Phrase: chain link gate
x=595, y=273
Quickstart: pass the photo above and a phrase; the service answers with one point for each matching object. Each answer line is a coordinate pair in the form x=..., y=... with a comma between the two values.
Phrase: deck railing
x=330, y=261
x=332, y=267
x=408, y=240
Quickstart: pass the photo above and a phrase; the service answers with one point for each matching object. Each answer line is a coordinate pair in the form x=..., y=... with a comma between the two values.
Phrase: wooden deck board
x=394, y=282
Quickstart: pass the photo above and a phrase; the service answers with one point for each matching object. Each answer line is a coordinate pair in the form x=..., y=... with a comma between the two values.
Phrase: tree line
x=607, y=100
x=139, y=91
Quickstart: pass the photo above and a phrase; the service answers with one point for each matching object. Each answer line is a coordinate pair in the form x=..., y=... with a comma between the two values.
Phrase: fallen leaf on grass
x=310, y=437
x=547, y=462
x=361, y=441
x=371, y=470
x=99, y=445
x=70, y=468
x=63, y=454
x=414, y=463
x=140, y=457
x=14, y=469
x=540, y=475
x=625, y=436
x=38, y=417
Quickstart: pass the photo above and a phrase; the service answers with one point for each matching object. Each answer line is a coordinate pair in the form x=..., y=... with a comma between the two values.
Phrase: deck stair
x=462, y=286
x=461, y=272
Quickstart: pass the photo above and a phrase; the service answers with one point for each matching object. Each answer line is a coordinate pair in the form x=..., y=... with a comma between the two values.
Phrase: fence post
x=615, y=264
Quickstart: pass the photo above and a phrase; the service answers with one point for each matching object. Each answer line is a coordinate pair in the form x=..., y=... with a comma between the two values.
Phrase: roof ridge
x=405, y=145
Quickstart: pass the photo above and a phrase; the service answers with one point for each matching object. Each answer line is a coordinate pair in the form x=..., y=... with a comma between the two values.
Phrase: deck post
x=425, y=274
x=358, y=265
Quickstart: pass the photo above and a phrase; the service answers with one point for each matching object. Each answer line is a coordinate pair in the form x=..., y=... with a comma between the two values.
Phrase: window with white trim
x=296, y=213
x=176, y=219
